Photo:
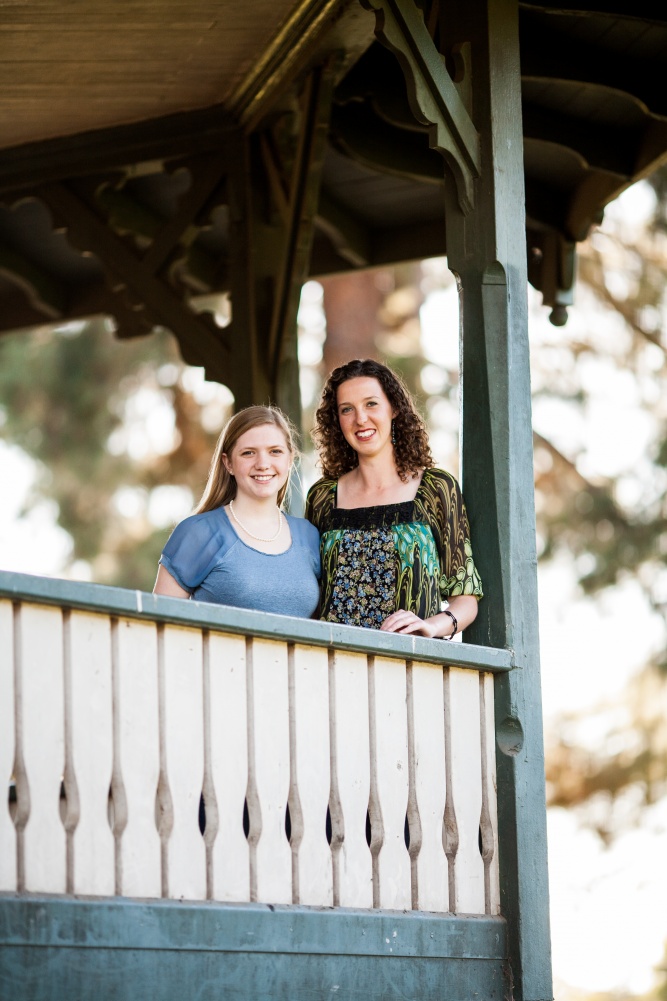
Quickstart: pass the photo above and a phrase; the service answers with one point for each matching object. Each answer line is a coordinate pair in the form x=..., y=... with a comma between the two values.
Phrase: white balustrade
x=350, y=779
x=226, y=766
x=89, y=752
x=137, y=748
x=8, y=874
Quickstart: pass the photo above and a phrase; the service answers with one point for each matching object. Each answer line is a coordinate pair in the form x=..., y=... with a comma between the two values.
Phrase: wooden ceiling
x=135, y=107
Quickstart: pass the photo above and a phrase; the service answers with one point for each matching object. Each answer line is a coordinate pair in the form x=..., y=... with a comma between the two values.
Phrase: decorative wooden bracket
x=202, y=341
x=433, y=98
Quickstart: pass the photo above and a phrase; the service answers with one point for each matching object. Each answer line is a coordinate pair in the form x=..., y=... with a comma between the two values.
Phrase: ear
x=227, y=463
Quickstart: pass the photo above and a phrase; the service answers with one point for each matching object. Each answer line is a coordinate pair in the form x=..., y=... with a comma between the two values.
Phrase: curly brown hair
x=411, y=448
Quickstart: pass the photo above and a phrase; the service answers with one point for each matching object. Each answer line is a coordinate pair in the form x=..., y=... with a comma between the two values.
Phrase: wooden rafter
x=642, y=10
x=599, y=147
x=301, y=208
x=554, y=55
x=162, y=138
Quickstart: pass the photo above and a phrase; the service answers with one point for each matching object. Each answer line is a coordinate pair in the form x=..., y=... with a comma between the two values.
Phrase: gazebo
x=153, y=158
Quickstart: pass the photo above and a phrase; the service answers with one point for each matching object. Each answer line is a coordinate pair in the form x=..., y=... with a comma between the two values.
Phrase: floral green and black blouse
x=414, y=555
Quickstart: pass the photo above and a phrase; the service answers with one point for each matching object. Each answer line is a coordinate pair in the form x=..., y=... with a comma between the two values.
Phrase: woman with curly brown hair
x=395, y=540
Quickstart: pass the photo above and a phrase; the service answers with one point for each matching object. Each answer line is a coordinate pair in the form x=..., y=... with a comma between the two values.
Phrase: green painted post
x=487, y=250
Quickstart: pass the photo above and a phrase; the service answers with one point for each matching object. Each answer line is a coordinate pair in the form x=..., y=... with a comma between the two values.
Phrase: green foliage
x=80, y=403
x=590, y=518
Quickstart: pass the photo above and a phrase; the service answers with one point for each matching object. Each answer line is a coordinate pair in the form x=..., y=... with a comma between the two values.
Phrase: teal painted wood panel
x=54, y=949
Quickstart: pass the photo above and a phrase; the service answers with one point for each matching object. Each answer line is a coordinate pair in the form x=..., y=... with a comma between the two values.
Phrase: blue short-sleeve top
x=207, y=558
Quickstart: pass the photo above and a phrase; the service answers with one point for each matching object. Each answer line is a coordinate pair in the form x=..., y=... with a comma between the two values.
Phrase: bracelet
x=446, y=611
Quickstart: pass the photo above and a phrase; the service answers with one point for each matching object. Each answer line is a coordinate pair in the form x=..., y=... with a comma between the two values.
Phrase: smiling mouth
x=365, y=435
x=263, y=479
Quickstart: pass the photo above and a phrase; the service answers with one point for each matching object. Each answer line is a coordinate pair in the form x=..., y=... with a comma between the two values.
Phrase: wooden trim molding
x=281, y=56
x=141, y=605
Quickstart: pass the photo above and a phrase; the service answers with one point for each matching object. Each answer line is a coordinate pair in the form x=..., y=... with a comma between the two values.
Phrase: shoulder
x=322, y=488
x=320, y=500
x=203, y=526
x=439, y=479
x=439, y=495
x=439, y=483
x=196, y=545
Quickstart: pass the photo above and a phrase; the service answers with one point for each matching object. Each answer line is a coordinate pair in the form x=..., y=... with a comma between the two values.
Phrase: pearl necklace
x=247, y=531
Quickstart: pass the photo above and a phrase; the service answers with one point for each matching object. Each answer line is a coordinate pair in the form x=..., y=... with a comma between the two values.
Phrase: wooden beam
x=554, y=55
x=45, y=292
x=546, y=204
x=642, y=10
x=599, y=147
x=302, y=207
x=651, y=152
x=382, y=147
x=585, y=203
x=486, y=249
x=163, y=138
x=205, y=174
x=348, y=234
x=274, y=68
x=202, y=341
x=251, y=307
x=434, y=99
x=127, y=213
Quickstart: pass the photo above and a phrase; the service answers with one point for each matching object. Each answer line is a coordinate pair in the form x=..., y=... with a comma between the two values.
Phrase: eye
x=345, y=410
x=278, y=451
x=372, y=403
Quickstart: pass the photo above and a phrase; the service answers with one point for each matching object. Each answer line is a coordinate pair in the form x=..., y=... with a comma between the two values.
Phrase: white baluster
x=426, y=696
x=350, y=779
x=389, y=762
x=91, y=752
x=492, y=878
x=40, y=656
x=311, y=857
x=136, y=759
x=7, y=829
x=467, y=789
x=183, y=743
x=269, y=770
x=229, y=766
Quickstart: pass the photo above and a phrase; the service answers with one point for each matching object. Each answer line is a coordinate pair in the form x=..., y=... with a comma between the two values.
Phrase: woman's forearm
x=463, y=608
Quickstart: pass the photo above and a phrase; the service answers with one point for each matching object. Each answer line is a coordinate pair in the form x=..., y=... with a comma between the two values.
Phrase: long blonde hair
x=220, y=487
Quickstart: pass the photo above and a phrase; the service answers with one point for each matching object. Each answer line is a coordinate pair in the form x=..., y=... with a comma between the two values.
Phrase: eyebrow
x=348, y=403
x=250, y=448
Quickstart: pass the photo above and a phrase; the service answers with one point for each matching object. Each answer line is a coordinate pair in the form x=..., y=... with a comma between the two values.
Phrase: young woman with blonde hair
x=239, y=547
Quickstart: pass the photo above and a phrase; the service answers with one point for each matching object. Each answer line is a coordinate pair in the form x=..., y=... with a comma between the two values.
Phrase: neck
x=255, y=507
x=376, y=472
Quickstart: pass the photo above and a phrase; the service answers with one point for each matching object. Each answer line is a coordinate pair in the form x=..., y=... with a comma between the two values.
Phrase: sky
x=609, y=919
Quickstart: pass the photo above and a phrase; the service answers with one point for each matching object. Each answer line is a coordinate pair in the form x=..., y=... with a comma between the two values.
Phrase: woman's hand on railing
x=438, y=626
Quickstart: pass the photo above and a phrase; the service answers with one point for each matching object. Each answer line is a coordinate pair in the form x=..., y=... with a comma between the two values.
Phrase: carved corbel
x=433, y=97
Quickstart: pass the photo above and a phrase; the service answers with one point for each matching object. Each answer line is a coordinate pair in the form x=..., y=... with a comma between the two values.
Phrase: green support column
x=487, y=251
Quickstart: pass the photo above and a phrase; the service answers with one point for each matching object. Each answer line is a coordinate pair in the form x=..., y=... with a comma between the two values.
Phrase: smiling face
x=260, y=462
x=365, y=415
